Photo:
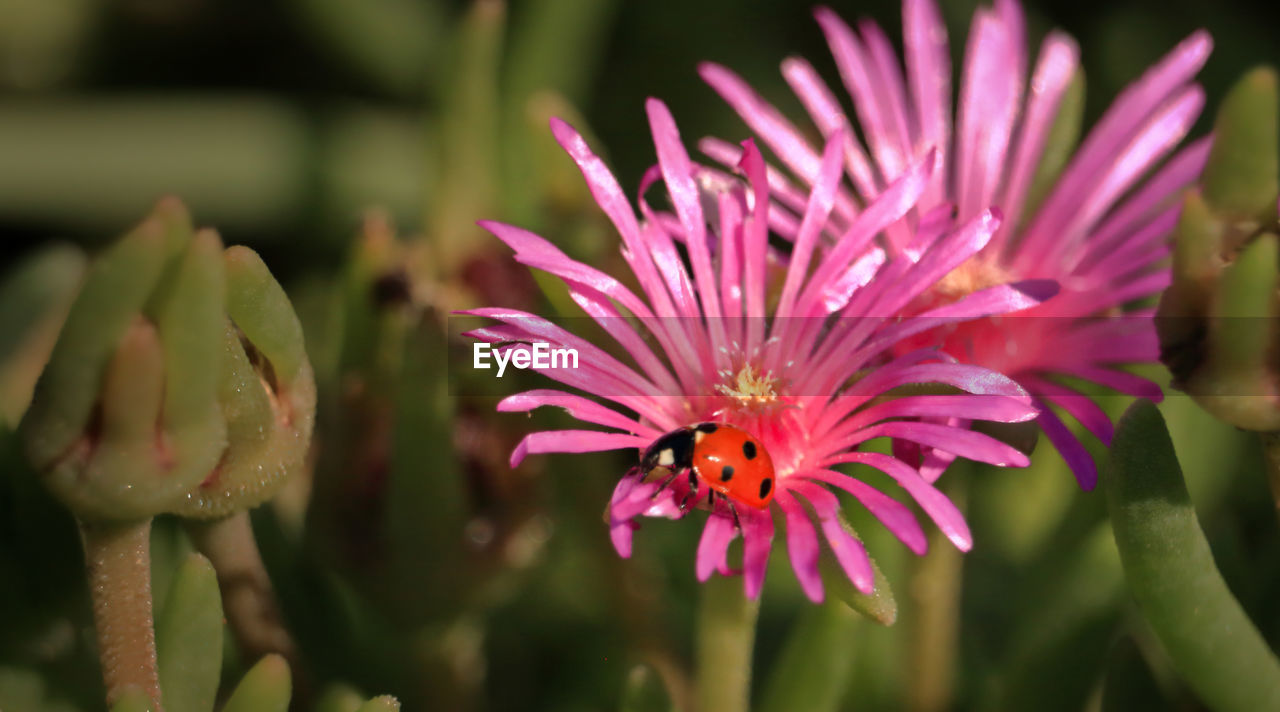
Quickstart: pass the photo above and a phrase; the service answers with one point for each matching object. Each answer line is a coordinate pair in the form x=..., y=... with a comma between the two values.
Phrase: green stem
x=247, y=596
x=935, y=614
x=118, y=564
x=812, y=671
x=726, y=638
x=1271, y=449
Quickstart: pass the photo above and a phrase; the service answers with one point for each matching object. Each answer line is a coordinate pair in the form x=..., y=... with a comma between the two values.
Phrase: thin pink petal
x=855, y=68
x=573, y=441
x=677, y=173
x=887, y=209
x=990, y=93
x=604, y=187
x=1075, y=454
x=815, y=215
x=826, y=112
x=765, y=121
x=718, y=533
x=1058, y=63
x=928, y=63
x=894, y=515
x=535, y=251
x=969, y=444
x=802, y=545
x=757, y=542
x=581, y=408
x=849, y=552
x=1081, y=407
x=936, y=504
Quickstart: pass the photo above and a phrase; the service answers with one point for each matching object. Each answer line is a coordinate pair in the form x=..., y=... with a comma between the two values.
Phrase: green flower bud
x=1217, y=327
x=1242, y=177
x=266, y=392
x=177, y=384
x=1216, y=321
x=34, y=300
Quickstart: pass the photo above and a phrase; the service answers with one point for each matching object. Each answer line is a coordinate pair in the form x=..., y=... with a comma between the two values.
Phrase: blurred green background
x=282, y=122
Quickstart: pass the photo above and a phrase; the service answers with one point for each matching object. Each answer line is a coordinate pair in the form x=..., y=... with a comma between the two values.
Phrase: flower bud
x=266, y=392
x=175, y=365
x=34, y=300
x=1216, y=322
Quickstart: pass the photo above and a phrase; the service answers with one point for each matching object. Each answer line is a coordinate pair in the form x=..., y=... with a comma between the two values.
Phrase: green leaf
x=880, y=605
x=467, y=180
x=189, y=638
x=1129, y=683
x=29, y=688
x=554, y=53
x=812, y=672
x=339, y=698
x=392, y=42
x=265, y=688
x=1069, y=605
x=1240, y=178
x=382, y=703
x=133, y=700
x=643, y=691
x=1171, y=572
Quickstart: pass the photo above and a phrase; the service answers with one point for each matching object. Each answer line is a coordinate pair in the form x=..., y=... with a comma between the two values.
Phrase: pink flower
x=1099, y=231
x=807, y=381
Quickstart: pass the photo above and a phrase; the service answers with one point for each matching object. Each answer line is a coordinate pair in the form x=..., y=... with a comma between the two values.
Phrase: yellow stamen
x=750, y=389
x=973, y=275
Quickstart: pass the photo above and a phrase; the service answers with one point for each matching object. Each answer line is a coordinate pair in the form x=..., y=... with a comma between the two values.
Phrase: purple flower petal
x=719, y=532
x=1075, y=454
x=581, y=408
x=573, y=441
x=757, y=542
x=849, y=552
x=929, y=76
x=933, y=502
x=802, y=545
x=969, y=444
x=895, y=516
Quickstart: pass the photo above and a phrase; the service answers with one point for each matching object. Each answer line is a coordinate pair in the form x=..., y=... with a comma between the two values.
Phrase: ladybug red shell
x=728, y=459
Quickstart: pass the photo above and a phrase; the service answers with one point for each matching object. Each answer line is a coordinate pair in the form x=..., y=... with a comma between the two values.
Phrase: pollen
x=751, y=389
x=970, y=277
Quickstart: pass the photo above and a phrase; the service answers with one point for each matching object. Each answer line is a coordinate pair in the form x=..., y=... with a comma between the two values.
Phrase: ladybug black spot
x=765, y=486
x=749, y=450
x=707, y=428
x=727, y=473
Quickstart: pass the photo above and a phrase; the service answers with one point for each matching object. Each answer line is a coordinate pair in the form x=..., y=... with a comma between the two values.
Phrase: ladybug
x=732, y=463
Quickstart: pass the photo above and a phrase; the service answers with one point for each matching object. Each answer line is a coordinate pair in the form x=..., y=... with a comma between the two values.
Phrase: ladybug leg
x=664, y=484
x=692, y=493
x=734, y=510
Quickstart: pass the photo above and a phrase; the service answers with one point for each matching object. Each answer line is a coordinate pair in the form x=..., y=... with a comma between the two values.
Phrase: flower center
x=751, y=390
x=973, y=275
